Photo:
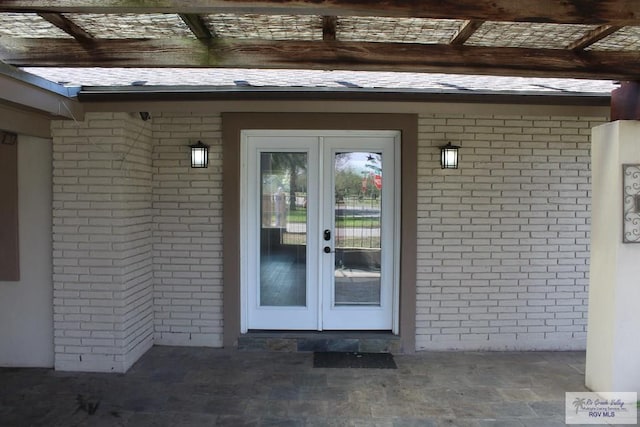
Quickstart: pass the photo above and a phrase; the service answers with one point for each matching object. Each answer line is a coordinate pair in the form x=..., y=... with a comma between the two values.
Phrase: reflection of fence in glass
x=295, y=227
x=357, y=222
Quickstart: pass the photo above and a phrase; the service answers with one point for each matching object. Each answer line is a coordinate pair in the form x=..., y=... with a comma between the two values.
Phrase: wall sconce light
x=199, y=155
x=449, y=156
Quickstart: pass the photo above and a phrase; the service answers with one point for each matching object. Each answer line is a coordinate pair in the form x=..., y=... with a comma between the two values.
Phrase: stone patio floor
x=178, y=386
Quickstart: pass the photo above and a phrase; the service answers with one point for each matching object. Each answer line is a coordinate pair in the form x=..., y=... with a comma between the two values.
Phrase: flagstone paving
x=178, y=386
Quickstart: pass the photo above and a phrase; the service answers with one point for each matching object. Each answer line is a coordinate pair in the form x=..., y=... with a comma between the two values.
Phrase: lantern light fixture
x=199, y=155
x=449, y=156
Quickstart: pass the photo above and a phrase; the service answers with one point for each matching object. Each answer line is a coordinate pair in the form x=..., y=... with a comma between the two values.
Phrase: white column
x=613, y=337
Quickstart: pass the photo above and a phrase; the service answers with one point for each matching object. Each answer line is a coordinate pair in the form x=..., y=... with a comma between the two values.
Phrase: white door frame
x=335, y=317
x=291, y=140
x=300, y=317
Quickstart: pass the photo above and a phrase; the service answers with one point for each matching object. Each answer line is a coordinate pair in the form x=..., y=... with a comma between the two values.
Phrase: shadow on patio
x=177, y=386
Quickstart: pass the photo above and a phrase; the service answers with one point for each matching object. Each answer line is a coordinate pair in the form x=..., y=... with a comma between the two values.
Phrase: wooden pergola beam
x=593, y=37
x=321, y=55
x=466, y=30
x=197, y=26
x=625, y=102
x=600, y=12
x=329, y=28
x=67, y=25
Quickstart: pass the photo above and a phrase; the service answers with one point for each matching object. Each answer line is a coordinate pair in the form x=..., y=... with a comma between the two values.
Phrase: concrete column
x=613, y=337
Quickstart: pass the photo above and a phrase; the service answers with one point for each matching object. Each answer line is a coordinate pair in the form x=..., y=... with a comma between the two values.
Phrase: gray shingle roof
x=234, y=78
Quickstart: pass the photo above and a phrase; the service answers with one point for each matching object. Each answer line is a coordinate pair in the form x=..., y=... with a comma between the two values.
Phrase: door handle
x=327, y=250
x=327, y=235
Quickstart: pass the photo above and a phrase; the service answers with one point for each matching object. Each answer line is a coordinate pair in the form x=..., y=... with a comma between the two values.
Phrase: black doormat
x=330, y=359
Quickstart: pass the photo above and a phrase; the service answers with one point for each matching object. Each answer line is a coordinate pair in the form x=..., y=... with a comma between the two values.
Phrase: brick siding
x=187, y=246
x=102, y=238
x=503, y=241
x=137, y=238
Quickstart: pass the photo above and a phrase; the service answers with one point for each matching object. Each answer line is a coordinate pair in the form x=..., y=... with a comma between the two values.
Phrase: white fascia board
x=35, y=93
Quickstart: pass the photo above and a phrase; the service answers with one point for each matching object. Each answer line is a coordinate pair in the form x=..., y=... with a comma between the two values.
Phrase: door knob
x=327, y=250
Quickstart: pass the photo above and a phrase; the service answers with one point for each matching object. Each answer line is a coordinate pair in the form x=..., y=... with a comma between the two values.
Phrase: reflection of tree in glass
x=354, y=172
x=348, y=182
x=295, y=165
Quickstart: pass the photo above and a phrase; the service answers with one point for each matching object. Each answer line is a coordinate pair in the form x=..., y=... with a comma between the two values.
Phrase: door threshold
x=311, y=341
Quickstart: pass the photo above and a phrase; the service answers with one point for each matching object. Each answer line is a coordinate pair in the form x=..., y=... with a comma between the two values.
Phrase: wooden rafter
x=594, y=36
x=600, y=12
x=67, y=25
x=329, y=28
x=322, y=55
x=197, y=26
x=466, y=30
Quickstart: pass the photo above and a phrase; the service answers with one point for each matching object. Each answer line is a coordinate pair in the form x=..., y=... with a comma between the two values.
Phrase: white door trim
x=248, y=138
x=379, y=317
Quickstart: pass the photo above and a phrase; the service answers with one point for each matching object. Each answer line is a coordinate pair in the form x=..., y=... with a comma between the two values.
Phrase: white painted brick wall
x=187, y=244
x=137, y=238
x=503, y=241
x=137, y=245
x=102, y=239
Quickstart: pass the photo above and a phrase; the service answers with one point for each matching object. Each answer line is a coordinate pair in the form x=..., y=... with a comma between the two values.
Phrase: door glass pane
x=357, y=194
x=283, y=217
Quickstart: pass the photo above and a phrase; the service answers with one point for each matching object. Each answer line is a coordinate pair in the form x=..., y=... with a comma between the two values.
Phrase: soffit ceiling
x=534, y=38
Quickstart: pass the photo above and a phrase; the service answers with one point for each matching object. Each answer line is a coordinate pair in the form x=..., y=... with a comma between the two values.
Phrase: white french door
x=319, y=233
